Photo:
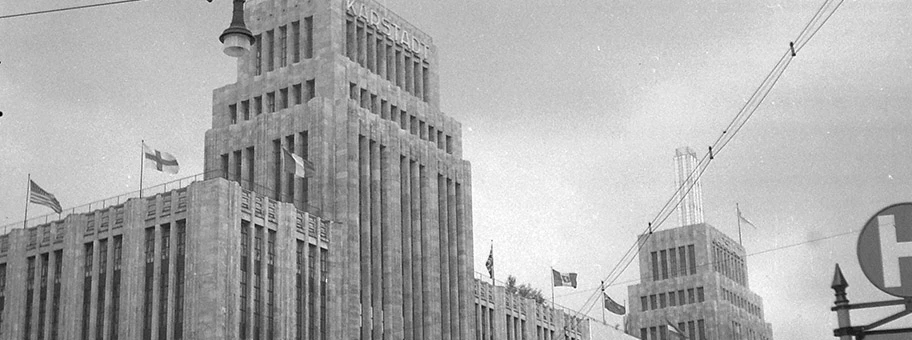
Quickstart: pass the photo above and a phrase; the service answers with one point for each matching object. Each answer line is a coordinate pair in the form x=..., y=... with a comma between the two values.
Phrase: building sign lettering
x=386, y=26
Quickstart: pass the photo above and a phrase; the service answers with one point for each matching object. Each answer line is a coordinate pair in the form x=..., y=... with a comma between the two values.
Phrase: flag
x=296, y=165
x=674, y=331
x=612, y=306
x=490, y=262
x=39, y=196
x=159, y=160
x=561, y=280
x=741, y=218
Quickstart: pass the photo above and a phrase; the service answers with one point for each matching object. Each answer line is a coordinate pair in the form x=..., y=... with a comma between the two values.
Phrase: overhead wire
x=727, y=135
x=66, y=9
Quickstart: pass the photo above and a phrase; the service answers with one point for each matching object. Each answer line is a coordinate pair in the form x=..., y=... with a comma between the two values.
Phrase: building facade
x=200, y=262
x=694, y=277
x=504, y=316
x=353, y=88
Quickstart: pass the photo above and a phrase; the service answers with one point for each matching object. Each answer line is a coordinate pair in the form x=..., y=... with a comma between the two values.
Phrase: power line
x=724, y=139
x=66, y=9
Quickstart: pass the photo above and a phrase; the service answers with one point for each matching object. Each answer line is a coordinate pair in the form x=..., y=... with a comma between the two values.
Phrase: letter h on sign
x=891, y=250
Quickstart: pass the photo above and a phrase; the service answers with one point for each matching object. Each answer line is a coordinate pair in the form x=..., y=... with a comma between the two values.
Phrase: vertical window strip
x=270, y=285
x=2, y=294
x=245, y=277
x=257, y=283
x=87, y=290
x=324, y=280
x=295, y=41
x=43, y=294
x=309, y=37
x=102, y=275
x=283, y=46
x=115, y=288
x=311, y=290
x=299, y=291
x=179, y=278
x=164, y=283
x=258, y=59
x=149, y=277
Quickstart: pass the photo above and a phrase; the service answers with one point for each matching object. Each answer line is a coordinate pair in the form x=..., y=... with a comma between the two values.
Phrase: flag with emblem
x=38, y=195
x=563, y=279
x=159, y=160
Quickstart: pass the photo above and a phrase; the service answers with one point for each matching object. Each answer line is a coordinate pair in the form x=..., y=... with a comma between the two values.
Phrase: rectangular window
x=691, y=330
x=374, y=104
x=432, y=134
x=296, y=94
x=692, y=261
x=654, y=256
x=43, y=294
x=643, y=334
x=644, y=305
x=290, y=177
x=245, y=277
x=232, y=113
x=653, y=302
x=86, y=293
x=258, y=105
x=371, y=47
x=258, y=59
x=681, y=300
x=426, y=92
x=311, y=289
x=354, y=93
x=223, y=165
x=305, y=182
x=661, y=300
x=270, y=102
x=400, y=74
x=350, y=48
x=270, y=50
x=115, y=289
x=403, y=120
x=672, y=299
x=299, y=291
x=682, y=261
x=701, y=329
x=308, y=37
x=690, y=296
x=245, y=109
x=409, y=78
x=700, y=297
x=449, y=144
x=663, y=260
x=258, y=246
x=653, y=333
x=283, y=99
x=277, y=168
x=673, y=262
x=384, y=109
x=309, y=90
x=413, y=125
x=295, y=42
x=283, y=46
x=359, y=35
x=270, y=284
x=250, y=169
x=55, y=302
x=416, y=88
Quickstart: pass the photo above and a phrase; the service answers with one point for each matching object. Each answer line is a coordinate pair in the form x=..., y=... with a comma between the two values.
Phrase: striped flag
x=674, y=331
x=490, y=262
x=296, y=165
x=40, y=196
x=159, y=160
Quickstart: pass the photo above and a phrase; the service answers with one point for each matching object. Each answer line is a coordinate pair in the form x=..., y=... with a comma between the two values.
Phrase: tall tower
x=690, y=211
x=353, y=88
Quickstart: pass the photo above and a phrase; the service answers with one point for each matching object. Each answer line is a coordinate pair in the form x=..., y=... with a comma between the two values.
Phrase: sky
x=571, y=115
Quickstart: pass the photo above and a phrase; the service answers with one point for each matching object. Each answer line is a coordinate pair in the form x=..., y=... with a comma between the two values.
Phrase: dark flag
x=563, y=280
x=490, y=262
x=40, y=196
x=613, y=307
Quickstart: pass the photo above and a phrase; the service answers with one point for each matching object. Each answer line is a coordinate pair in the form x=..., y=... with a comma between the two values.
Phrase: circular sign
x=885, y=250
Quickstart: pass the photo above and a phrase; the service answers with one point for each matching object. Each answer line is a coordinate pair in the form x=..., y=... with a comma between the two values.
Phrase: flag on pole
x=742, y=218
x=159, y=160
x=296, y=165
x=563, y=280
x=674, y=331
x=40, y=196
x=490, y=262
x=612, y=306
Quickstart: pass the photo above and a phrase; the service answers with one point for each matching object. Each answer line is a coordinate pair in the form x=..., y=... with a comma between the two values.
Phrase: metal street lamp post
x=237, y=39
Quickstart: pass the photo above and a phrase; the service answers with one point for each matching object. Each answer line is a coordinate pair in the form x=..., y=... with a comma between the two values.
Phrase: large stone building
x=345, y=84
x=694, y=277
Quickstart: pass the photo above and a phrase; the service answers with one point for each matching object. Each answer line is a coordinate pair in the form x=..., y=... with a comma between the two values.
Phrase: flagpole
x=603, y=302
x=738, y=217
x=142, y=158
x=28, y=192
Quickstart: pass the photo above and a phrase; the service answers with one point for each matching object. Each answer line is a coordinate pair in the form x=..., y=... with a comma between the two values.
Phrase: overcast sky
x=571, y=115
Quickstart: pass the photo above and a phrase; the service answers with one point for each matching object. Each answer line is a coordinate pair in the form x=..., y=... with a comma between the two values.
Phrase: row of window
x=693, y=330
x=282, y=99
x=267, y=44
x=411, y=123
x=239, y=166
x=729, y=263
x=384, y=57
x=164, y=284
x=742, y=303
x=744, y=332
x=672, y=299
x=673, y=262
